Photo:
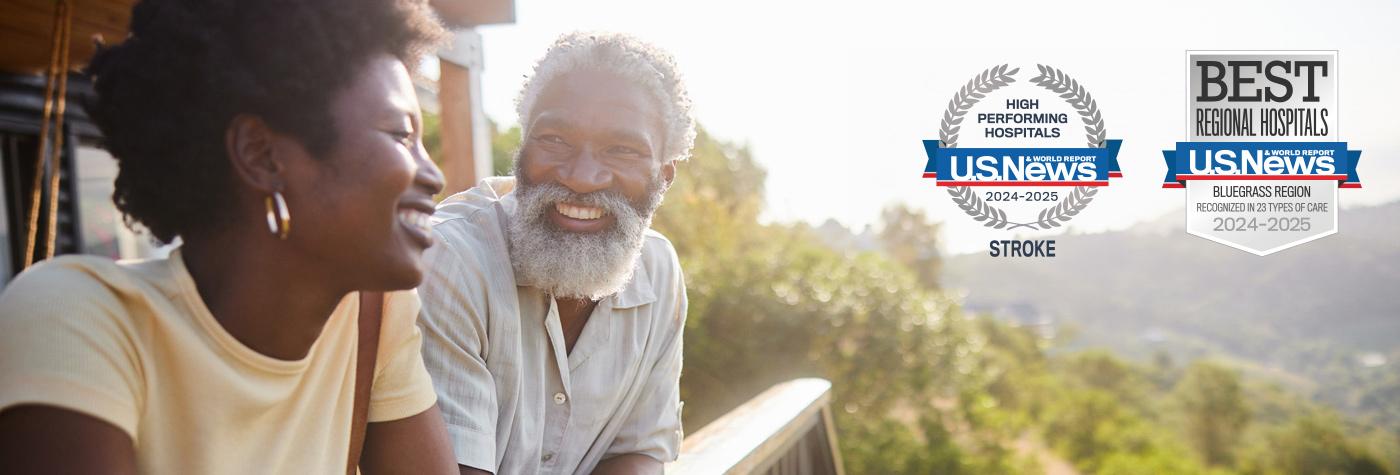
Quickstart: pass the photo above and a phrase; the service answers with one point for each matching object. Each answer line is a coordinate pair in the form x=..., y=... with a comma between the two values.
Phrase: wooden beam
x=755, y=436
x=466, y=142
x=469, y=13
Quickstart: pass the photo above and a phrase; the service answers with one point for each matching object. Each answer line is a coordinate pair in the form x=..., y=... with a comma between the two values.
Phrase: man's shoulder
x=465, y=261
x=663, y=269
x=467, y=225
x=658, y=254
x=653, y=235
x=470, y=205
x=469, y=262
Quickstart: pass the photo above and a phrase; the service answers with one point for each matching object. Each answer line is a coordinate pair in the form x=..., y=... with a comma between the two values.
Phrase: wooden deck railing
x=786, y=430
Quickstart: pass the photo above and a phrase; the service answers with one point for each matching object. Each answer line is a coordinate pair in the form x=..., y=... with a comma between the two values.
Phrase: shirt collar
x=638, y=291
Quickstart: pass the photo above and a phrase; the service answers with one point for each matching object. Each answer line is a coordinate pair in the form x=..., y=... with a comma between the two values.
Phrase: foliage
x=909, y=238
x=504, y=145
x=921, y=387
x=1314, y=443
x=770, y=303
x=1213, y=407
x=1319, y=318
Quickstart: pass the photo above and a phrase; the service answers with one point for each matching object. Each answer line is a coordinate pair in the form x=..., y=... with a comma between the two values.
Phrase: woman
x=280, y=142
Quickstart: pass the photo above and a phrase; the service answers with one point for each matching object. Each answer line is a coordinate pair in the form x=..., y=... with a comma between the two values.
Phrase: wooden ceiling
x=26, y=30
x=26, y=26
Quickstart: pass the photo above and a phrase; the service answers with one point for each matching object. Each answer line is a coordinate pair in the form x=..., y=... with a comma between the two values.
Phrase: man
x=552, y=316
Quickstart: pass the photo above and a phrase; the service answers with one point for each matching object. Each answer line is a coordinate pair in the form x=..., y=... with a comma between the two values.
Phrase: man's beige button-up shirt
x=515, y=401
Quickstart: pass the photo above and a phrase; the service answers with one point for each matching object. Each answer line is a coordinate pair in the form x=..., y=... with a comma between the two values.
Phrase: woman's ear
x=250, y=145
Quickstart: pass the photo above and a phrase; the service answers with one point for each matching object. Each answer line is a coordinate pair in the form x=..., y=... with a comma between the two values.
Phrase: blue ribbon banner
x=1032, y=166
x=1261, y=161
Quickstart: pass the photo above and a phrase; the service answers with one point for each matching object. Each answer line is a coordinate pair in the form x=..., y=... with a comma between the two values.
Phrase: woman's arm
x=416, y=444
x=44, y=439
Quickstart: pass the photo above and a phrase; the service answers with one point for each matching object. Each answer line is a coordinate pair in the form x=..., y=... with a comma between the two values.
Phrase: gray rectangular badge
x=1262, y=96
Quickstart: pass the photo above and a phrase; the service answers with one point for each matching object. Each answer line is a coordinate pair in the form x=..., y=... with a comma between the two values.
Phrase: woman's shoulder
x=64, y=278
x=401, y=309
x=67, y=340
x=75, y=286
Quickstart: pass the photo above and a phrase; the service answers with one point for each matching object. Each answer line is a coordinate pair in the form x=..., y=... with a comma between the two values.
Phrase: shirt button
x=559, y=398
x=547, y=457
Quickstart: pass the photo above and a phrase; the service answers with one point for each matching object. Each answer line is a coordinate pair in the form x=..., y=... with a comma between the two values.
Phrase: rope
x=58, y=68
x=57, y=156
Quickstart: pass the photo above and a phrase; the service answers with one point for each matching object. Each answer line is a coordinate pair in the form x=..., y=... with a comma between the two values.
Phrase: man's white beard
x=577, y=265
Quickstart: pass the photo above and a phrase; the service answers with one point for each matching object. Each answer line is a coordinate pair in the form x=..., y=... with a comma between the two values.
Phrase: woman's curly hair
x=166, y=94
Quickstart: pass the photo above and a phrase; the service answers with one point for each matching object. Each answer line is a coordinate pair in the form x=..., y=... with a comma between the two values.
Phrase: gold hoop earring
x=279, y=220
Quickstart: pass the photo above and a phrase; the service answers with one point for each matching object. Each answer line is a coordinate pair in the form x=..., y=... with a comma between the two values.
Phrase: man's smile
x=577, y=218
x=579, y=211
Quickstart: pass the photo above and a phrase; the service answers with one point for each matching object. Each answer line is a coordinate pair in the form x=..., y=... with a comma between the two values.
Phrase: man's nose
x=585, y=174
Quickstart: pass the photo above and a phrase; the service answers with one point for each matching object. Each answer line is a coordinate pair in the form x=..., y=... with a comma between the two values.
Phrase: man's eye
x=623, y=150
x=554, y=139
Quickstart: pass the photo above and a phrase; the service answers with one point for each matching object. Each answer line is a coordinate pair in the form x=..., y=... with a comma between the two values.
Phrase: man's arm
x=454, y=327
x=416, y=444
x=629, y=464
x=651, y=432
x=45, y=439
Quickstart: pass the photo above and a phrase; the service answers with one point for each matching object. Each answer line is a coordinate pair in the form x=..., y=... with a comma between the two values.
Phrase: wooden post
x=466, y=141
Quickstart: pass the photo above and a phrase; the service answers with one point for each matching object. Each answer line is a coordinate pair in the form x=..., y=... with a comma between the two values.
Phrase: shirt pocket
x=600, y=385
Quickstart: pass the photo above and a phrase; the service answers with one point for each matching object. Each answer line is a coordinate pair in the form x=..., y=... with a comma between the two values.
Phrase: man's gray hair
x=640, y=62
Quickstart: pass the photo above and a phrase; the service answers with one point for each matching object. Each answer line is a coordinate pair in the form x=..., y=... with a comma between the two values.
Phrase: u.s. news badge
x=1020, y=151
x=1263, y=162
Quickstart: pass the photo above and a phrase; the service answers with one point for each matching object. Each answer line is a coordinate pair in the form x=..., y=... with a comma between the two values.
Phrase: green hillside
x=1323, y=317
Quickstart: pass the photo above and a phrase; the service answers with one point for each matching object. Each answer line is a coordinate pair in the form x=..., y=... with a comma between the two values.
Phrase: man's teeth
x=579, y=212
x=416, y=219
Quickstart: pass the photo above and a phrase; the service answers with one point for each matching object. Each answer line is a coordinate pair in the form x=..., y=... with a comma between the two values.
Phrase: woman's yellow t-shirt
x=132, y=344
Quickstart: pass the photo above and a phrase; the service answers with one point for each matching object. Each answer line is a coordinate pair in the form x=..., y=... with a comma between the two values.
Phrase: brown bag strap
x=371, y=313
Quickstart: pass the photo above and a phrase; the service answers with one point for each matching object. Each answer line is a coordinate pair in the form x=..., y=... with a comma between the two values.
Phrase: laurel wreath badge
x=998, y=77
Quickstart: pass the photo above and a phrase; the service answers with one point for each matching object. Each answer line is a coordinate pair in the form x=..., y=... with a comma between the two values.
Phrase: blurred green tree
x=1214, y=411
x=910, y=238
x=770, y=303
x=1314, y=443
x=504, y=145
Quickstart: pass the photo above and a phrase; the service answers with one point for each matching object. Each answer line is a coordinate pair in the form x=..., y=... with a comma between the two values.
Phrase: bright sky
x=834, y=98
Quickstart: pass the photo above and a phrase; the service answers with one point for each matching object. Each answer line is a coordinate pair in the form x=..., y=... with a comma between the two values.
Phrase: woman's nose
x=429, y=176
